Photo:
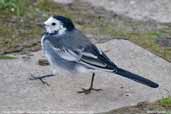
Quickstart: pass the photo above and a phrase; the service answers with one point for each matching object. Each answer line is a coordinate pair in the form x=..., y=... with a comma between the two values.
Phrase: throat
x=59, y=32
x=53, y=33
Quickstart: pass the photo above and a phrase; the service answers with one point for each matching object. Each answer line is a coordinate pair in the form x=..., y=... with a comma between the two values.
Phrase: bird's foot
x=41, y=78
x=88, y=91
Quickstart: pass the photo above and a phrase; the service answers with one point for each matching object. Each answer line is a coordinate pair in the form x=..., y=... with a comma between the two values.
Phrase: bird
x=67, y=48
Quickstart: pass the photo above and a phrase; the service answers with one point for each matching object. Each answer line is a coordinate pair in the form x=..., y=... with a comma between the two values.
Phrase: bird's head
x=58, y=25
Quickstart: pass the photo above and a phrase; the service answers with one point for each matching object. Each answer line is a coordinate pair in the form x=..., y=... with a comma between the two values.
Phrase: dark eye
x=53, y=24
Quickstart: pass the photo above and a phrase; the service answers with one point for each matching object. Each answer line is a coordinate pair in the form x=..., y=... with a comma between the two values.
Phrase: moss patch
x=166, y=102
x=5, y=57
x=145, y=108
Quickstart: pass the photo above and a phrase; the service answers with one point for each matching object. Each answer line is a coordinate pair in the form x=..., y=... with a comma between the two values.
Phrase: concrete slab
x=19, y=94
x=159, y=10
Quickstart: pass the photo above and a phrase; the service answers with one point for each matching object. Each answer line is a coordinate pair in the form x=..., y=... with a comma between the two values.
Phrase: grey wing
x=96, y=58
x=67, y=54
x=89, y=55
x=59, y=48
x=83, y=52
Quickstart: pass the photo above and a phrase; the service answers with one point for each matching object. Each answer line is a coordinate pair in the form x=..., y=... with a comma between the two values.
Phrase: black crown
x=67, y=23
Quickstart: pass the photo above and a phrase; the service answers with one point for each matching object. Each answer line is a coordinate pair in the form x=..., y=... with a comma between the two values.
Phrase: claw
x=96, y=89
x=41, y=78
x=88, y=91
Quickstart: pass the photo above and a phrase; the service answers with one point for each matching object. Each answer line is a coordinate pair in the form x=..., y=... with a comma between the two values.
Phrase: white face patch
x=53, y=25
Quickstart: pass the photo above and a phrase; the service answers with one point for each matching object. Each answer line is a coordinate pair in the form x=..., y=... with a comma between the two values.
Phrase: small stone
x=128, y=94
x=164, y=42
x=122, y=87
x=12, y=9
x=26, y=58
x=64, y=1
x=142, y=104
x=43, y=62
x=132, y=2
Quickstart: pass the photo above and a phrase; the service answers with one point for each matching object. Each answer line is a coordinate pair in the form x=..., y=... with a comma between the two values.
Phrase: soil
x=143, y=108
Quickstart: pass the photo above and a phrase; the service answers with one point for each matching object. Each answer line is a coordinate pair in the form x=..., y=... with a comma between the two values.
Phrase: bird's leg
x=87, y=91
x=41, y=78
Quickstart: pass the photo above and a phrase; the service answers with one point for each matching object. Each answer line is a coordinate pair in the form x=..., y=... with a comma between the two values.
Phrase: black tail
x=135, y=77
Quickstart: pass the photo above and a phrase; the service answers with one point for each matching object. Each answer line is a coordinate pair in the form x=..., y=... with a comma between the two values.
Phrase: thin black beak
x=41, y=25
